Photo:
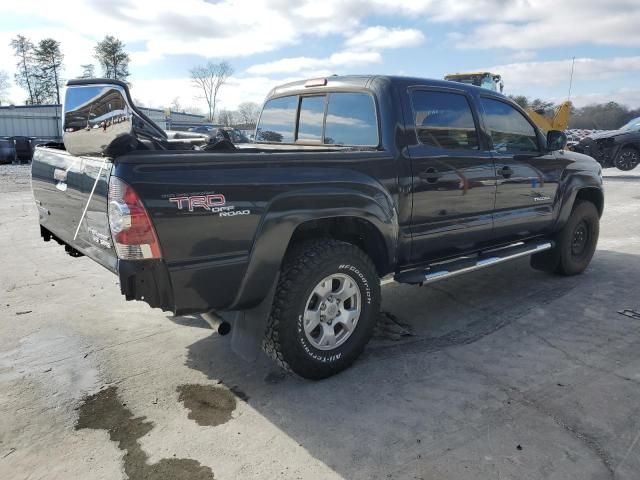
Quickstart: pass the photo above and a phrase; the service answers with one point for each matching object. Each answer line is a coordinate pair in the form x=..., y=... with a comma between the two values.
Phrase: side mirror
x=99, y=118
x=556, y=140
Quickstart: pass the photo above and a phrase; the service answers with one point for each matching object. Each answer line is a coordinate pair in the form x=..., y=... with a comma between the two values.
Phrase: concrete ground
x=507, y=373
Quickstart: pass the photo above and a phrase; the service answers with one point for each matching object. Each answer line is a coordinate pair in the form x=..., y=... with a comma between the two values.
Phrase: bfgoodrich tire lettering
x=304, y=270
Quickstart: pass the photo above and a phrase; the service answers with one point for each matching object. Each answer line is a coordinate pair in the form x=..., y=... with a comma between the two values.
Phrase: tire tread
x=303, y=259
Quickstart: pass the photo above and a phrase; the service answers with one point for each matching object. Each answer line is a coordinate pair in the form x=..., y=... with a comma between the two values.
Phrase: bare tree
x=48, y=58
x=604, y=116
x=4, y=87
x=210, y=78
x=194, y=110
x=176, y=106
x=113, y=58
x=227, y=118
x=249, y=112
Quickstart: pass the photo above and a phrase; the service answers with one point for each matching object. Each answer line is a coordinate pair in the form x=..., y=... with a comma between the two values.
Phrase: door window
x=444, y=120
x=509, y=130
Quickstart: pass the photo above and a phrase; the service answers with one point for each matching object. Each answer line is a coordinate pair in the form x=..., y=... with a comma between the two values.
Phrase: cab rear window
x=311, y=118
x=278, y=120
x=341, y=118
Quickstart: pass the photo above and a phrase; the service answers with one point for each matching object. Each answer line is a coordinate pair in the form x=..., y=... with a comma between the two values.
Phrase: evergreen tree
x=48, y=60
x=113, y=58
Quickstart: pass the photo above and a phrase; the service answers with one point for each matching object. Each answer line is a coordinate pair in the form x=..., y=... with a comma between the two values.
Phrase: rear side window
x=444, y=120
x=311, y=118
x=351, y=120
x=278, y=120
x=510, y=131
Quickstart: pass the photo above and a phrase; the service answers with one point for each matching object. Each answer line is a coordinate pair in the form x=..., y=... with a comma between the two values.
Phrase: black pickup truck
x=351, y=179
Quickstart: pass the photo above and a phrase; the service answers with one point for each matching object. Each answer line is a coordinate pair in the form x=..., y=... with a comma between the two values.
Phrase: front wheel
x=325, y=309
x=627, y=159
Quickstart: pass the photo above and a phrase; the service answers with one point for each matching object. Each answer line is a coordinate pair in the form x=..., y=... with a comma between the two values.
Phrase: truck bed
x=200, y=246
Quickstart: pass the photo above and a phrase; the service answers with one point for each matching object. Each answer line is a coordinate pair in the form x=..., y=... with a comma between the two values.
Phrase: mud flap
x=249, y=327
x=546, y=261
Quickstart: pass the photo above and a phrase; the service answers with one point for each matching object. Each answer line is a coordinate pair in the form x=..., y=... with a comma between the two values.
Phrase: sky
x=531, y=43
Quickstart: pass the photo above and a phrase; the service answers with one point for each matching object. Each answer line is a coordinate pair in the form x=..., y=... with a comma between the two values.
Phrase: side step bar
x=458, y=266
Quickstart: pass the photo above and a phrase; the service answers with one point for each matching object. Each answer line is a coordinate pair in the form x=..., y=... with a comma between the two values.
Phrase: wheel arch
x=355, y=230
x=593, y=195
x=583, y=191
x=634, y=145
x=365, y=219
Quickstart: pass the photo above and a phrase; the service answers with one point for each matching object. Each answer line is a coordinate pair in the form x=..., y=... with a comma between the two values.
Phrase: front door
x=527, y=173
x=454, y=180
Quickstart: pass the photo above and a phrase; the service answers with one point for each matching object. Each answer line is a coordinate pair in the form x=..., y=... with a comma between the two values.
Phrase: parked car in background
x=7, y=151
x=203, y=129
x=236, y=136
x=24, y=148
x=615, y=148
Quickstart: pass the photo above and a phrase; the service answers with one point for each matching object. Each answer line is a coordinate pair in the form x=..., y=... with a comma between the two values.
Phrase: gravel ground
x=15, y=178
x=506, y=373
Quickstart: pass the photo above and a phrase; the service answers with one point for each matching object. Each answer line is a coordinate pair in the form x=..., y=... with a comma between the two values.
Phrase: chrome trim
x=485, y=262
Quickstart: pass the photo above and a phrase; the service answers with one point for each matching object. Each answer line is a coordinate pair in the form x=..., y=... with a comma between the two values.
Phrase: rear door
x=454, y=182
x=527, y=173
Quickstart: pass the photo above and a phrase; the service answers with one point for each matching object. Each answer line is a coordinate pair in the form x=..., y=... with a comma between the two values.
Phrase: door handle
x=506, y=171
x=431, y=175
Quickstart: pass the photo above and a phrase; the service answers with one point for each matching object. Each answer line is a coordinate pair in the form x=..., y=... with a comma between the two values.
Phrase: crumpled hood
x=605, y=134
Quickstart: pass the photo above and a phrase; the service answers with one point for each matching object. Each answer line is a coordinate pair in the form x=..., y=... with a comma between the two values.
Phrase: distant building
x=40, y=121
x=43, y=121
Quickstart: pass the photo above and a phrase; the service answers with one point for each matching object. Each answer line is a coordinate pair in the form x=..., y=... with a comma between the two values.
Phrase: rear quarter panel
x=221, y=261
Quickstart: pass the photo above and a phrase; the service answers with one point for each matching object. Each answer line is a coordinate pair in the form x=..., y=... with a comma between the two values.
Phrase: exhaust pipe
x=216, y=323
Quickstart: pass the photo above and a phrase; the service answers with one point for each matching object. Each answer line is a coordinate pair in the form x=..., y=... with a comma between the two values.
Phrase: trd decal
x=208, y=202
x=213, y=202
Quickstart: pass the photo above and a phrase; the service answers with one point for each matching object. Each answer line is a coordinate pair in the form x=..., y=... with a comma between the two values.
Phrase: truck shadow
x=410, y=396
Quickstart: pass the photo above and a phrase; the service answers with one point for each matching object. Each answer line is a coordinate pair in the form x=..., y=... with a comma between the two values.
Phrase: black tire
x=627, y=159
x=304, y=268
x=575, y=244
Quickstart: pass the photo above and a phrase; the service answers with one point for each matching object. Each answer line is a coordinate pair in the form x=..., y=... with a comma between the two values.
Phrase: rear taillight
x=131, y=228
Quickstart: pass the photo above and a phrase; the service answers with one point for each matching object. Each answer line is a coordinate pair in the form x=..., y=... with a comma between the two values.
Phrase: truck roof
x=358, y=82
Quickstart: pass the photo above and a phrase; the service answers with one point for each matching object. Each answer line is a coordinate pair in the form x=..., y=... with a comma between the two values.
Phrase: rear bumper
x=146, y=280
x=179, y=288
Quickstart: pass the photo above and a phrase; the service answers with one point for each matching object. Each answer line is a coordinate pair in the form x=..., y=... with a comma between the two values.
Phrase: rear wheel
x=325, y=309
x=574, y=245
x=627, y=159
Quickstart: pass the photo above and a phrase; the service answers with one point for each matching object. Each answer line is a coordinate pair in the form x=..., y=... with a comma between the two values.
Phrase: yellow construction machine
x=493, y=81
x=559, y=121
